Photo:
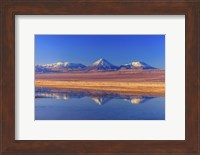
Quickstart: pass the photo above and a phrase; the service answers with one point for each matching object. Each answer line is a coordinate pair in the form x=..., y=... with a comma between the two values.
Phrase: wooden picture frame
x=10, y=8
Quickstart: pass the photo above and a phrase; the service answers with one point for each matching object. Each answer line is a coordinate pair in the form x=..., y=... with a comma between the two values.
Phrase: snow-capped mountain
x=63, y=65
x=41, y=69
x=59, y=67
x=99, y=65
x=136, y=65
x=102, y=64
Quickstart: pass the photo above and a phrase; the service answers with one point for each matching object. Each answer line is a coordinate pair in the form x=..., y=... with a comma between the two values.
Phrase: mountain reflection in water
x=64, y=104
x=99, y=98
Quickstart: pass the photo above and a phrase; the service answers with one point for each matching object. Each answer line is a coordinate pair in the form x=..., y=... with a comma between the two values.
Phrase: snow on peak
x=101, y=65
x=137, y=65
x=63, y=65
x=102, y=62
x=54, y=65
x=60, y=64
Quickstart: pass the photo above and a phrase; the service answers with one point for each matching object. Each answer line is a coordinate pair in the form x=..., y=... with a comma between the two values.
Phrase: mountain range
x=99, y=65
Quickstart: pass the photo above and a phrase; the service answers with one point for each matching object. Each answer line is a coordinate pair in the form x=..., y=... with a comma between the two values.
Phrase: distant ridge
x=59, y=67
x=136, y=65
x=99, y=65
x=63, y=65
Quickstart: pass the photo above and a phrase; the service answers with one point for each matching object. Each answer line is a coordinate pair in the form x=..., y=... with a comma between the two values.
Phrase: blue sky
x=85, y=49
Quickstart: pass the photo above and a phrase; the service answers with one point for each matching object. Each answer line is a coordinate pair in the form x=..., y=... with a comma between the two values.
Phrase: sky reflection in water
x=62, y=104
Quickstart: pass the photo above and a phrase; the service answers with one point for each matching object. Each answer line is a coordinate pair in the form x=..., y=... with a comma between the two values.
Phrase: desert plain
x=148, y=82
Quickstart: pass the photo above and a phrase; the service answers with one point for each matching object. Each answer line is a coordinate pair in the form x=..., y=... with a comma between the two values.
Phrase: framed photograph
x=100, y=77
x=65, y=90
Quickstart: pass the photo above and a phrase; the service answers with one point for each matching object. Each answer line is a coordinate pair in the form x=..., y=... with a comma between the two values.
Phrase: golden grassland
x=151, y=88
x=150, y=82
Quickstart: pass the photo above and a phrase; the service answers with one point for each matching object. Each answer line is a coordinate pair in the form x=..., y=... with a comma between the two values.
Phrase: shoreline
x=150, y=88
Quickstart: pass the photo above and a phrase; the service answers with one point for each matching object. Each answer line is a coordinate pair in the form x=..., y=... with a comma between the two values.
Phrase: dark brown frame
x=10, y=8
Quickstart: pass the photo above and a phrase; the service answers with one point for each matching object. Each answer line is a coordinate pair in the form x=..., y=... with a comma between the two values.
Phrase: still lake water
x=62, y=104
